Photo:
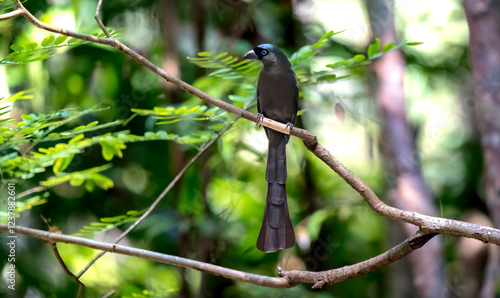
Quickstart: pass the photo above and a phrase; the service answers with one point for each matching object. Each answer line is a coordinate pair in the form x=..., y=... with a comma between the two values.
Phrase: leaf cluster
x=229, y=67
x=31, y=51
x=107, y=223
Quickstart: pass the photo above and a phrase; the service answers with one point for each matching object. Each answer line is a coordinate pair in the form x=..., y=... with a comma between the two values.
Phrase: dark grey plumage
x=278, y=99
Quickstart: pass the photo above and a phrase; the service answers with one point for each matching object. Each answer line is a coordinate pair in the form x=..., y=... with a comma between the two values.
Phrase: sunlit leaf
x=387, y=47
x=373, y=48
x=60, y=39
x=47, y=40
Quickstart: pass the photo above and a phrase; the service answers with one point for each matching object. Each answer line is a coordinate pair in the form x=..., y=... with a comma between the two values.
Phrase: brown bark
x=483, y=18
x=409, y=189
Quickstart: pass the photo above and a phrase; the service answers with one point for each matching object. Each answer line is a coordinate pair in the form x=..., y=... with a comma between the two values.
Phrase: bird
x=277, y=99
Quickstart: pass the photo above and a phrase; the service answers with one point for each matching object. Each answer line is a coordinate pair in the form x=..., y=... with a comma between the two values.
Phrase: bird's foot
x=260, y=116
x=290, y=127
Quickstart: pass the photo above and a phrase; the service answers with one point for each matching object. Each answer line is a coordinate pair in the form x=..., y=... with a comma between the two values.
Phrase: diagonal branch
x=160, y=197
x=81, y=286
x=287, y=279
x=99, y=21
x=329, y=277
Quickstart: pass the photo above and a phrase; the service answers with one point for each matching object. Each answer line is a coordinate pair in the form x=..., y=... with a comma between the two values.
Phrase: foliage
x=107, y=223
x=31, y=51
x=33, y=130
x=229, y=67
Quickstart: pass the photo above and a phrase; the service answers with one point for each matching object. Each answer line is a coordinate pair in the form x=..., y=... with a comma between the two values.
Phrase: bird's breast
x=278, y=95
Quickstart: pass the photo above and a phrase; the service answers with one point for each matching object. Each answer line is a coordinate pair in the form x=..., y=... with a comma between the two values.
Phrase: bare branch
x=429, y=224
x=160, y=197
x=329, y=277
x=11, y=15
x=99, y=21
x=275, y=282
x=287, y=279
x=30, y=191
x=109, y=294
x=81, y=286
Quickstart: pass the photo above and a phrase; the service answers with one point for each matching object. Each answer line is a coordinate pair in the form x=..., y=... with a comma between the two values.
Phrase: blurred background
x=406, y=124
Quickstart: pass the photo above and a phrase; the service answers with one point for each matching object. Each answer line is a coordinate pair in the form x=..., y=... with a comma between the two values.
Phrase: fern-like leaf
x=108, y=223
x=32, y=51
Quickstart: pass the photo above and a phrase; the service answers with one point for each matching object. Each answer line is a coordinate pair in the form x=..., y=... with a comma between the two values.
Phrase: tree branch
x=11, y=15
x=329, y=277
x=287, y=279
x=99, y=22
x=160, y=197
x=81, y=286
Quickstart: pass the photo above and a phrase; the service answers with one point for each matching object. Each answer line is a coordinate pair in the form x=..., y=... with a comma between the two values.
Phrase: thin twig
x=30, y=191
x=288, y=279
x=160, y=197
x=111, y=293
x=99, y=21
x=81, y=286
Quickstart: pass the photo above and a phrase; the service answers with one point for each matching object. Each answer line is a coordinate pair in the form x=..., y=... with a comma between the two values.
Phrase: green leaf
x=113, y=219
x=220, y=71
x=53, y=136
x=31, y=45
x=240, y=98
x=220, y=55
x=89, y=185
x=47, y=40
x=322, y=40
x=91, y=124
x=76, y=181
x=62, y=163
x=359, y=58
x=388, y=47
x=27, y=117
x=414, y=43
x=168, y=122
x=327, y=78
x=373, y=48
x=73, y=40
x=76, y=139
x=17, y=48
x=204, y=54
x=335, y=65
x=60, y=39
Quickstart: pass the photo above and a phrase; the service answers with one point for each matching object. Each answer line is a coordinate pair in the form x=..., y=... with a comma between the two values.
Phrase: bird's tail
x=277, y=230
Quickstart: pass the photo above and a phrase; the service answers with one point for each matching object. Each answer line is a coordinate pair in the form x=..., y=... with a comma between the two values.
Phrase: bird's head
x=269, y=55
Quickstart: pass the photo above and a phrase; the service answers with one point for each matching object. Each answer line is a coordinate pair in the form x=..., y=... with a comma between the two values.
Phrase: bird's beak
x=250, y=55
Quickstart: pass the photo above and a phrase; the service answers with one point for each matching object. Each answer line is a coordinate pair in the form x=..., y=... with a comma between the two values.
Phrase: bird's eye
x=264, y=52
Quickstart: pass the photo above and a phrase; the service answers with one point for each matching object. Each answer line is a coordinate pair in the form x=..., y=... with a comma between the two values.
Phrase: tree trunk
x=409, y=190
x=483, y=18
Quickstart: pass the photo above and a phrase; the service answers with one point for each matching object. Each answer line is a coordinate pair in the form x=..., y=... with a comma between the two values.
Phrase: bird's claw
x=260, y=116
x=290, y=127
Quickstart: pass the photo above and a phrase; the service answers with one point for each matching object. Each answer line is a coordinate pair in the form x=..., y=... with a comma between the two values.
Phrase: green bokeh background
x=214, y=213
